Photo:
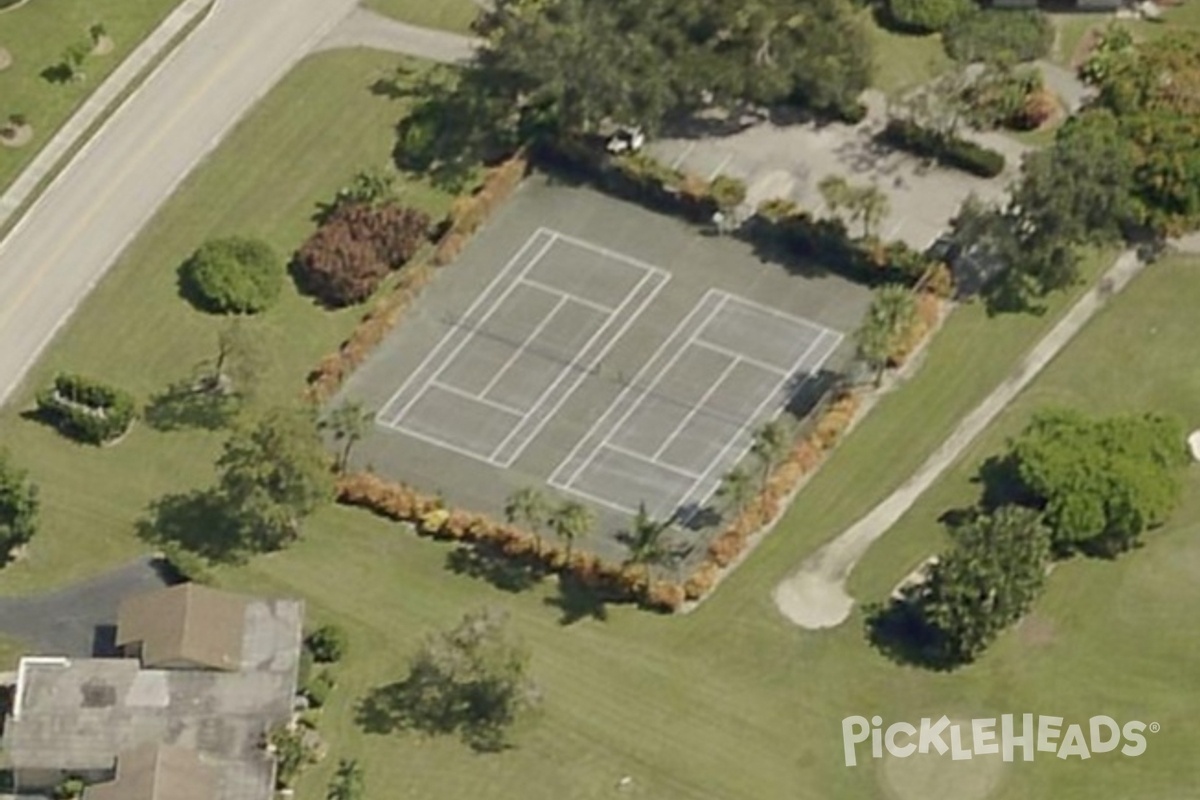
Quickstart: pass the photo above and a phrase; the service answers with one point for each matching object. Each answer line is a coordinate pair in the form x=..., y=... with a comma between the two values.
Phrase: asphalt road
x=79, y=226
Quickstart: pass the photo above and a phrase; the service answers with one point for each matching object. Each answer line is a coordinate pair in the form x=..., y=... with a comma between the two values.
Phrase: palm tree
x=736, y=489
x=570, y=521
x=528, y=506
x=892, y=312
x=349, y=423
x=771, y=443
x=645, y=540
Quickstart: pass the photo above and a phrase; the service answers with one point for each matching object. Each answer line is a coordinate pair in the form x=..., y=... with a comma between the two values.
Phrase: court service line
x=449, y=359
x=604, y=251
x=446, y=387
x=438, y=442
x=454, y=331
x=613, y=339
x=775, y=312
x=754, y=362
x=616, y=448
x=612, y=504
x=686, y=322
x=548, y=289
x=816, y=365
x=541, y=326
x=695, y=409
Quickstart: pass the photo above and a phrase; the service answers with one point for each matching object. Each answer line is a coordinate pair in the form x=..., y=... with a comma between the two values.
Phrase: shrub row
x=949, y=151
x=327, y=377
x=85, y=409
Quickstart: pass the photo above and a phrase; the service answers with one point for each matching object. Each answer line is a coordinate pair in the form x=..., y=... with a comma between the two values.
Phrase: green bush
x=727, y=192
x=86, y=410
x=996, y=35
x=327, y=644
x=949, y=151
x=926, y=16
x=186, y=564
x=318, y=687
x=233, y=276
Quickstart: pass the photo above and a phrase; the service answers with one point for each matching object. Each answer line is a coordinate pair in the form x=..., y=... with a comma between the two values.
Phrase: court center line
x=658, y=377
x=652, y=272
x=750, y=420
x=541, y=326
x=508, y=290
x=548, y=289
x=454, y=331
x=616, y=448
x=639, y=376
x=695, y=409
x=446, y=387
x=754, y=362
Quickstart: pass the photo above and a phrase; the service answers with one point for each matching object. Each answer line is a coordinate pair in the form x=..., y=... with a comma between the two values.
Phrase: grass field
x=451, y=15
x=36, y=34
x=729, y=703
x=904, y=61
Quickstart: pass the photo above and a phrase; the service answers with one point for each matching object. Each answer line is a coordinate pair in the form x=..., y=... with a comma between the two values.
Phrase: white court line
x=446, y=387
x=816, y=365
x=687, y=151
x=541, y=326
x=754, y=362
x=612, y=504
x=604, y=251
x=695, y=409
x=548, y=289
x=616, y=448
x=720, y=167
x=651, y=272
x=454, y=331
x=437, y=442
x=775, y=312
x=508, y=290
x=641, y=374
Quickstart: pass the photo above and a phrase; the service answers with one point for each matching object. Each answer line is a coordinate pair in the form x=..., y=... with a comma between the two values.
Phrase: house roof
x=158, y=772
x=185, y=624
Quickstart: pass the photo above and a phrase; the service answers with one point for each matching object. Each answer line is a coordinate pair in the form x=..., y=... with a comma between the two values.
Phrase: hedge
x=999, y=36
x=85, y=409
x=234, y=275
x=947, y=150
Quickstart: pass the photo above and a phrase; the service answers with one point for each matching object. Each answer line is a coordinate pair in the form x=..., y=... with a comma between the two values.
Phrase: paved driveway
x=79, y=620
x=789, y=161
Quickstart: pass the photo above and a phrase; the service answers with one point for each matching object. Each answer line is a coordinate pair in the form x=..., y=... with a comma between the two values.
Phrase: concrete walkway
x=363, y=28
x=815, y=595
x=94, y=107
x=1066, y=84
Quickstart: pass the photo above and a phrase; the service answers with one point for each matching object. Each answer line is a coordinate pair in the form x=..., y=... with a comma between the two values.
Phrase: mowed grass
x=730, y=702
x=306, y=139
x=904, y=61
x=450, y=15
x=37, y=34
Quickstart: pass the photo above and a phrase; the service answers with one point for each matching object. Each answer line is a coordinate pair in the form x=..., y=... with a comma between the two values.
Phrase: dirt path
x=815, y=595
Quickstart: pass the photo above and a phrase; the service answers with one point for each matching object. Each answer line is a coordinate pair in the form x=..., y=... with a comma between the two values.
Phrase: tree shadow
x=489, y=563
x=197, y=521
x=897, y=630
x=396, y=707
x=381, y=710
x=576, y=600
x=58, y=74
x=184, y=405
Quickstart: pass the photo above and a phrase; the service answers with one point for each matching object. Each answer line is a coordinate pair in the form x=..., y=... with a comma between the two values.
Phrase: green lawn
x=451, y=15
x=1073, y=27
x=11, y=651
x=904, y=61
x=36, y=34
x=730, y=702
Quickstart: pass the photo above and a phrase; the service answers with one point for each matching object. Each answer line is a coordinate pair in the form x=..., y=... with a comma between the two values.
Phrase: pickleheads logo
x=1029, y=734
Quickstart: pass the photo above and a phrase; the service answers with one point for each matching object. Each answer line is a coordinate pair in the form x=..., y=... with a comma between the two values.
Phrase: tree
x=770, y=444
x=571, y=520
x=274, y=472
x=293, y=753
x=327, y=644
x=528, y=506
x=97, y=32
x=867, y=204
x=348, y=423
x=19, y=507
x=999, y=35
x=472, y=680
x=347, y=783
x=1100, y=482
x=645, y=541
x=892, y=313
x=926, y=16
x=989, y=579
x=234, y=275
x=71, y=65
x=239, y=361
x=736, y=489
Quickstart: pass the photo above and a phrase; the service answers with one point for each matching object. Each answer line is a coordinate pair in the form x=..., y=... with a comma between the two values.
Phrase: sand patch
x=1194, y=444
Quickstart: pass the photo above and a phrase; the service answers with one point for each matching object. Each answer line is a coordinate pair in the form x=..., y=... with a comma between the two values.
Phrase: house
x=182, y=717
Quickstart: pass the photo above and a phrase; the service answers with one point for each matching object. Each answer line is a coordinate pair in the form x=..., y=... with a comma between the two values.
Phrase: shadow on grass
x=197, y=521
x=406, y=706
x=490, y=564
x=897, y=631
x=576, y=600
x=183, y=406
